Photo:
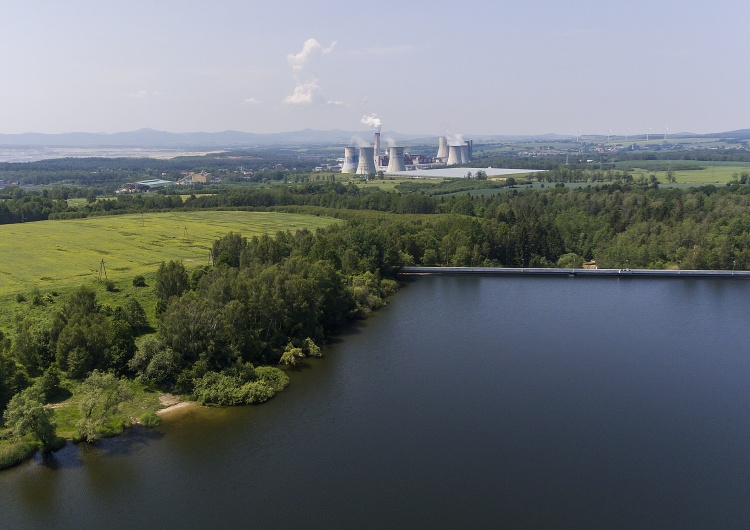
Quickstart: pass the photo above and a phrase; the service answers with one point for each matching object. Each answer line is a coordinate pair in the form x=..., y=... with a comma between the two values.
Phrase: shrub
x=150, y=419
x=311, y=349
x=139, y=281
x=256, y=392
x=14, y=453
x=36, y=297
x=20, y=297
x=273, y=377
x=109, y=285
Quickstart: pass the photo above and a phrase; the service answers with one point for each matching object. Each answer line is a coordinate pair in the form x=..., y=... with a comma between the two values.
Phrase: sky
x=441, y=67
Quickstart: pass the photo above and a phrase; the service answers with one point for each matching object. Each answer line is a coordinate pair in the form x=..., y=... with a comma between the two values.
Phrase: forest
x=221, y=331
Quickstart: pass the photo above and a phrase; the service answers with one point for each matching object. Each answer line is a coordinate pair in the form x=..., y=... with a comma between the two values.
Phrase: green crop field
x=709, y=173
x=52, y=254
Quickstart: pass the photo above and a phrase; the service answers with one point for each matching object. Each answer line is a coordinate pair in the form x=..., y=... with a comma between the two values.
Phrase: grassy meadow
x=709, y=172
x=52, y=254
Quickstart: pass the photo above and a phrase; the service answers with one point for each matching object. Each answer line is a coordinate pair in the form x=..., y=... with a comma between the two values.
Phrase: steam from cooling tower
x=391, y=141
x=456, y=139
x=359, y=142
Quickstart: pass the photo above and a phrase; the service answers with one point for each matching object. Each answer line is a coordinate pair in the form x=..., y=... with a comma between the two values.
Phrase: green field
x=52, y=254
x=710, y=172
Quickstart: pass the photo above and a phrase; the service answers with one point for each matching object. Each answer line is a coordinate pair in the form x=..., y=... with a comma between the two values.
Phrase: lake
x=467, y=402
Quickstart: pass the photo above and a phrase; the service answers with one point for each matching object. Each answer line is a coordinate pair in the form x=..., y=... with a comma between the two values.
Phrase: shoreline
x=177, y=406
x=611, y=273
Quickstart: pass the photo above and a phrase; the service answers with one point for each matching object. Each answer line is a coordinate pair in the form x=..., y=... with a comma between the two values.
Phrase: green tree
x=135, y=315
x=102, y=394
x=26, y=415
x=291, y=355
x=48, y=384
x=171, y=280
x=311, y=349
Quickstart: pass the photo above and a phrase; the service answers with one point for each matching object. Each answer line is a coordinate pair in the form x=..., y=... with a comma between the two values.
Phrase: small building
x=590, y=265
x=152, y=184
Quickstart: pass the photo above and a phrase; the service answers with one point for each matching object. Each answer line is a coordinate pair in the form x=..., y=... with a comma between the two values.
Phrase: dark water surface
x=467, y=402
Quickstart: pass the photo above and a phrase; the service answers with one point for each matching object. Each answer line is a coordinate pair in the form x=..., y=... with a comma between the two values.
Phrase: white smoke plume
x=391, y=141
x=456, y=139
x=359, y=142
x=372, y=121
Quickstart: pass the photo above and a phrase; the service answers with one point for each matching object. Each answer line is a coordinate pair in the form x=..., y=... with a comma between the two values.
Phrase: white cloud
x=305, y=94
x=142, y=94
x=250, y=101
x=309, y=48
x=309, y=93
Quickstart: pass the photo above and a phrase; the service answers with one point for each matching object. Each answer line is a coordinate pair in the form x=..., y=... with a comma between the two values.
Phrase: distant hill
x=740, y=134
x=153, y=138
x=235, y=139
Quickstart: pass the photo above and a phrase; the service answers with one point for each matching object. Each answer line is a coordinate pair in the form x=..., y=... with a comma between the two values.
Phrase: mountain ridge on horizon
x=148, y=137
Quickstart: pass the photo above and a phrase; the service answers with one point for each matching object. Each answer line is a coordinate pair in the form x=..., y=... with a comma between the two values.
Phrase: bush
x=216, y=388
x=20, y=297
x=36, y=297
x=13, y=453
x=139, y=281
x=150, y=420
x=109, y=285
x=273, y=377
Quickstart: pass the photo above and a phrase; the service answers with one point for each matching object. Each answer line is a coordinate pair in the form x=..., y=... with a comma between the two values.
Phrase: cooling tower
x=465, y=156
x=396, y=160
x=442, y=148
x=454, y=155
x=366, y=165
x=350, y=160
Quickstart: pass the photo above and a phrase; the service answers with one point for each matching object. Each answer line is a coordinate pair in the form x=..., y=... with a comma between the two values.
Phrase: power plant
x=366, y=165
x=442, y=148
x=396, y=160
x=368, y=160
x=350, y=160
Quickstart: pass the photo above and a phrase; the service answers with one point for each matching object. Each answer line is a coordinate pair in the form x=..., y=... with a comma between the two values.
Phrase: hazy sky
x=423, y=67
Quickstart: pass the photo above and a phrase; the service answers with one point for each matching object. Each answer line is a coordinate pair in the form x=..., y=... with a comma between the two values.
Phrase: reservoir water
x=467, y=402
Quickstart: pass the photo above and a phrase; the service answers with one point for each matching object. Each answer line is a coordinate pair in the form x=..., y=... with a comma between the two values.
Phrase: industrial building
x=368, y=160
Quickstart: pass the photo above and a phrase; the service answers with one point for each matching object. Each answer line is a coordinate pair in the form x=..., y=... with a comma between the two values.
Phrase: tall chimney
x=377, y=148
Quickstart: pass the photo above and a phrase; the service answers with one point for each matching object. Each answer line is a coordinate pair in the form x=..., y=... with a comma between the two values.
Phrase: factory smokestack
x=366, y=165
x=455, y=155
x=396, y=160
x=377, y=148
x=350, y=160
x=442, y=148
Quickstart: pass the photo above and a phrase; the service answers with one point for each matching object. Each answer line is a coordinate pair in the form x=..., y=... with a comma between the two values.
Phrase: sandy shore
x=172, y=403
x=176, y=406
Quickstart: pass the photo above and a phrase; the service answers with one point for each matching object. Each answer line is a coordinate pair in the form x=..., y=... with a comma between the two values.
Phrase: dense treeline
x=102, y=171
x=274, y=299
x=617, y=223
